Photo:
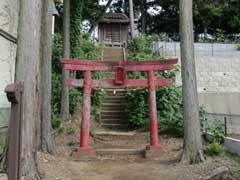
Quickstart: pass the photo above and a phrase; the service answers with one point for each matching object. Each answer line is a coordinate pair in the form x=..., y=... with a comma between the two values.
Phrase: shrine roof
x=115, y=18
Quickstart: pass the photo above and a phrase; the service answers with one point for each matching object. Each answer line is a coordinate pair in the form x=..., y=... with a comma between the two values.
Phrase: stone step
x=113, y=108
x=113, y=116
x=118, y=96
x=113, y=55
x=114, y=121
x=117, y=101
x=121, y=152
x=115, y=126
x=112, y=111
x=107, y=104
x=116, y=139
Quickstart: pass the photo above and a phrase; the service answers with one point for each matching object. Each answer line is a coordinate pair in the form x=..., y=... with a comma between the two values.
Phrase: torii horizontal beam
x=81, y=65
x=110, y=83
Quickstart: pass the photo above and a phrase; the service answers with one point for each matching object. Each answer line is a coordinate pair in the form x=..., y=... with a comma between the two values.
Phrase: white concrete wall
x=170, y=49
x=8, y=23
x=218, y=79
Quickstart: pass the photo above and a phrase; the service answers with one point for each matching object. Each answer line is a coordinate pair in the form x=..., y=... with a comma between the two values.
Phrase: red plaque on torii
x=121, y=81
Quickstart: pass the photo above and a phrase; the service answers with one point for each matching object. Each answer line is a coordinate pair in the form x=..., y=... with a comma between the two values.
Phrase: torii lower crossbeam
x=120, y=81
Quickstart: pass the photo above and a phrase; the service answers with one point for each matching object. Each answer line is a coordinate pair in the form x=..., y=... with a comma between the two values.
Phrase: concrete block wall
x=218, y=79
x=8, y=23
x=218, y=74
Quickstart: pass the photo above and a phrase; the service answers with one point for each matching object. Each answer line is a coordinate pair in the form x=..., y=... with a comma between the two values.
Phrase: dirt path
x=61, y=168
x=166, y=167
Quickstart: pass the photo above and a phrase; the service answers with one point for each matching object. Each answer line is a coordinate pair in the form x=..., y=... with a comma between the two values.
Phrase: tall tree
x=193, y=152
x=27, y=70
x=143, y=15
x=66, y=54
x=131, y=18
x=47, y=141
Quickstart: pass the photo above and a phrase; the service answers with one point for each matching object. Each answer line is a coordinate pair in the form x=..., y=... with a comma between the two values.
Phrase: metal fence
x=231, y=122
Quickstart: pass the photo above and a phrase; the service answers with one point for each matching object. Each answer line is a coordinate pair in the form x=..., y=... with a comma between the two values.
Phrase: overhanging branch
x=100, y=16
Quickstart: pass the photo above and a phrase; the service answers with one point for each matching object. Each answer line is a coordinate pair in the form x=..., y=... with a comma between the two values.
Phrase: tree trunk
x=66, y=54
x=100, y=16
x=143, y=16
x=27, y=70
x=193, y=152
x=131, y=18
x=47, y=141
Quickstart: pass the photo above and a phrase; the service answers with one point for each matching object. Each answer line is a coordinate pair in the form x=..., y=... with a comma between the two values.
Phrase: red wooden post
x=154, y=144
x=86, y=110
x=14, y=95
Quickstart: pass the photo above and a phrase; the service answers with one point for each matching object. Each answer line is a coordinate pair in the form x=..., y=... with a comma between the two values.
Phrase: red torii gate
x=120, y=68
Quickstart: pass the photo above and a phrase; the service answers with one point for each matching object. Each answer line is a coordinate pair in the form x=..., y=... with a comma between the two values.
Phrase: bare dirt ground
x=61, y=168
x=165, y=167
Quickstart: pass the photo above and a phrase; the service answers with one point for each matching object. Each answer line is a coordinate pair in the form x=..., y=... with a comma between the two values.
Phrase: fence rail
x=172, y=49
x=231, y=122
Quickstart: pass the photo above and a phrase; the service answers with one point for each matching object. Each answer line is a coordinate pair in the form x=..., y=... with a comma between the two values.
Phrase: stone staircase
x=113, y=53
x=112, y=110
x=114, y=145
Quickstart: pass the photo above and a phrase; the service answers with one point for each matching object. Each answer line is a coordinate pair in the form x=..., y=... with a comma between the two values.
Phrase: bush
x=56, y=121
x=57, y=53
x=169, y=107
x=75, y=98
x=169, y=99
x=238, y=47
x=214, y=149
x=56, y=92
x=217, y=128
x=89, y=50
x=141, y=48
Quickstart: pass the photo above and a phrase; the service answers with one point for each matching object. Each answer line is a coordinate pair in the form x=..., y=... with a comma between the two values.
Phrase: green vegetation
x=234, y=165
x=214, y=149
x=141, y=48
x=217, y=129
x=73, y=143
x=89, y=50
x=238, y=47
x=70, y=130
x=56, y=121
x=169, y=99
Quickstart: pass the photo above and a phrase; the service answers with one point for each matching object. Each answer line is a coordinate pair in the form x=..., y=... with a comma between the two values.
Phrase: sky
x=151, y=10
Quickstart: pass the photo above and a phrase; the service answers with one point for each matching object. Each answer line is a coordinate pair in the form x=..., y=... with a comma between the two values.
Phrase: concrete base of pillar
x=83, y=154
x=154, y=152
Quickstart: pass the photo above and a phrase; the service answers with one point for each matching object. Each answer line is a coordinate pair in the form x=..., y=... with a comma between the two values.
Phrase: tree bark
x=66, y=54
x=131, y=18
x=47, y=141
x=27, y=70
x=143, y=16
x=100, y=16
x=193, y=150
